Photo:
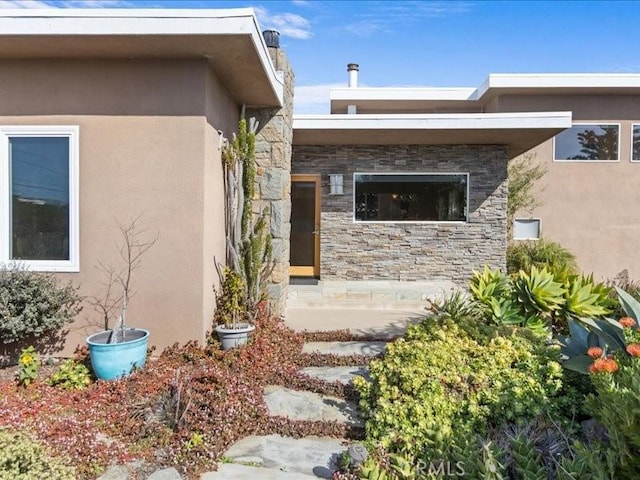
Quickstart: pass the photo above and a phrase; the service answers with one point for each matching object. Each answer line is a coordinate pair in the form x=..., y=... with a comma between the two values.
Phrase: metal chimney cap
x=353, y=66
x=271, y=38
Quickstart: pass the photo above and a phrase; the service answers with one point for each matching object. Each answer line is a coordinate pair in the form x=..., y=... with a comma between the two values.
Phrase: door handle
x=315, y=232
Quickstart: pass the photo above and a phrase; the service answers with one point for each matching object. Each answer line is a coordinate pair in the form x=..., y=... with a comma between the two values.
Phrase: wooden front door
x=305, y=226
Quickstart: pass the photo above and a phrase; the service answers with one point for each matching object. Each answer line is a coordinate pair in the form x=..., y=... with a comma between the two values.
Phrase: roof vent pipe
x=353, y=68
x=271, y=38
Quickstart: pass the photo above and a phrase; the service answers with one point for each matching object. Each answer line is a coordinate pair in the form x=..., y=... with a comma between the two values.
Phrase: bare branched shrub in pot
x=112, y=351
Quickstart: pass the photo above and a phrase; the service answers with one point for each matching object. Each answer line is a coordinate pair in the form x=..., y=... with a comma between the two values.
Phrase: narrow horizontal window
x=586, y=142
x=423, y=197
x=635, y=143
x=526, y=229
x=39, y=197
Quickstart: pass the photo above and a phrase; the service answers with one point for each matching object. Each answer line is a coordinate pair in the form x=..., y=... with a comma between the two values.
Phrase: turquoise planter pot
x=116, y=360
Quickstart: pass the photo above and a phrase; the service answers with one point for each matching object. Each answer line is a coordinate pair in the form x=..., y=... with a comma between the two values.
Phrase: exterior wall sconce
x=336, y=184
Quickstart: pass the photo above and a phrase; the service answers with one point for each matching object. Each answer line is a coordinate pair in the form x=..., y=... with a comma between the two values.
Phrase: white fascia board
x=401, y=93
x=493, y=81
x=126, y=12
x=453, y=121
x=559, y=81
x=152, y=22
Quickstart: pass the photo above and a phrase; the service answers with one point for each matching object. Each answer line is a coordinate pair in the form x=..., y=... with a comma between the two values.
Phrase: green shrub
x=23, y=459
x=522, y=255
x=71, y=376
x=445, y=377
x=33, y=304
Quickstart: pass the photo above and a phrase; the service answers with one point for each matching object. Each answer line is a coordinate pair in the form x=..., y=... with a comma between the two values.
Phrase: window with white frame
x=588, y=142
x=635, y=142
x=410, y=197
x=39, y=197
x=526, y=229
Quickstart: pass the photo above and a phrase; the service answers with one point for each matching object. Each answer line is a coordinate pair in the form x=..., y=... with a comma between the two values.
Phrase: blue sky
x=422, y=43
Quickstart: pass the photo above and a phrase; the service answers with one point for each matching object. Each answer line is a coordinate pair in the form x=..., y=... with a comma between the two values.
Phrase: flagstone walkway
x=276, y=457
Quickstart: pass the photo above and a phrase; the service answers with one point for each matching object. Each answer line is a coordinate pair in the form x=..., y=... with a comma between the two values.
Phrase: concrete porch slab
x=384, y=323
x=366, y=293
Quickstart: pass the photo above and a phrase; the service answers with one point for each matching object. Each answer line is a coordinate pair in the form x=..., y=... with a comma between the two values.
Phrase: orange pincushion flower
x=595, y=352
x=634, y=349
x=627, y=322
x=608, y=365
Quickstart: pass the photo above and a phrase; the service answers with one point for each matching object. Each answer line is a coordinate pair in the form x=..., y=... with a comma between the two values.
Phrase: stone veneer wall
x=409, y=251
x=273, y=192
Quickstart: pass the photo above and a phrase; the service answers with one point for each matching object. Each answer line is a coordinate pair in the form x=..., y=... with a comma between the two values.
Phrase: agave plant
x=584, y=298
x=538, y=292
x=490, y=284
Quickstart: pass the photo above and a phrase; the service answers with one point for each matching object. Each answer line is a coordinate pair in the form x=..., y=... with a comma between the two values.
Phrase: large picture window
x=419, y=197
x=39, y=197
x=588, y=142
x=635, y=143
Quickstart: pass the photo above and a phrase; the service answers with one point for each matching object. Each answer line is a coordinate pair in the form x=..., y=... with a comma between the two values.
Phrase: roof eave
x=27, y=28
x=518, y=131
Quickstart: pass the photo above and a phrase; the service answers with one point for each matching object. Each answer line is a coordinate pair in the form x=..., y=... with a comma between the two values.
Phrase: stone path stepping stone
x=345, y=348
x=233, y=471
x=165, y=474
x=302, y=405
x=343, y=375
x=313, y=456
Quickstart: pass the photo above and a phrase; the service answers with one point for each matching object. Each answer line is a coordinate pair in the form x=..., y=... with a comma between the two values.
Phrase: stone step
x=301, y=405
x=234, y=471
x=343, y=375
x=345, y=348
x=313, y=456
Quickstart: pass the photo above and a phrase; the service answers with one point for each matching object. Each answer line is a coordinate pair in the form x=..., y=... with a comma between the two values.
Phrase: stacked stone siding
x=409, y=251
x=273, y=190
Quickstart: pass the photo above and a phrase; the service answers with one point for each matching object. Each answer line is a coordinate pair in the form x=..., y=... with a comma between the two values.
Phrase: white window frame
x=71, y=132
x=633, y=125
x=393, y=222
x=577, y=124
x=539, y=220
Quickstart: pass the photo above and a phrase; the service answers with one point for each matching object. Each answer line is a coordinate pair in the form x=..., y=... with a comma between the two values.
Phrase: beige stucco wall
x=591, y=207
x=146, y=148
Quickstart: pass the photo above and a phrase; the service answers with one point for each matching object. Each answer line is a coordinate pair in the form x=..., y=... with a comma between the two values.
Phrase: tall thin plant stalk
x=248, y=240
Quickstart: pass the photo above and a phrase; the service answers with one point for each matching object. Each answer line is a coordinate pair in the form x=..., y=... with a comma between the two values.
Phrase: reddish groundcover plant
x=184, y=408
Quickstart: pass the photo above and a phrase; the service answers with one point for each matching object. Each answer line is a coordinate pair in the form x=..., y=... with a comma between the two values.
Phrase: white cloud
x=385, y=16
x=24, y=4
x=300, y=3
x=365, y=28
x=313, y=98
x=288, y=24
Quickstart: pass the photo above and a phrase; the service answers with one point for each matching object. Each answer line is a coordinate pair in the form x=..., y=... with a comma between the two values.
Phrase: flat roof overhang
x=518, y=131
x=230, y=40
x=423, y=99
